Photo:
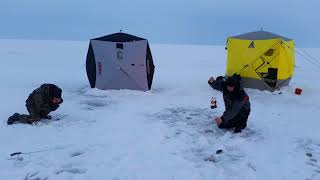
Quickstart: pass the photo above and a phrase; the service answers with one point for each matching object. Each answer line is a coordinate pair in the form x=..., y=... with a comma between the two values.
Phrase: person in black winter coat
x=236, y=100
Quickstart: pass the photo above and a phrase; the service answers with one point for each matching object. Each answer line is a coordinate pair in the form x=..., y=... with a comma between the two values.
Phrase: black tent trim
x=91, y=67
x=149, y=65
x=119, y=37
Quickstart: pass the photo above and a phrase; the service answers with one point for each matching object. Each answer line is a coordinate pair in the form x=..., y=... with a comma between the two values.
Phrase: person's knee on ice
x=219, y=122
x=41, y=102
x=238, y=123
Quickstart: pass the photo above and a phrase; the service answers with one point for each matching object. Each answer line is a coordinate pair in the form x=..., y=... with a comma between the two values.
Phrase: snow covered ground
x=164, y=134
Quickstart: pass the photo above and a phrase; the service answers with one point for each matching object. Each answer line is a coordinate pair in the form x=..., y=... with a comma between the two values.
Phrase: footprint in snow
x=92, y=104
x=34, y=176
x=71, y=170
x=76, y=153
x=311, y=150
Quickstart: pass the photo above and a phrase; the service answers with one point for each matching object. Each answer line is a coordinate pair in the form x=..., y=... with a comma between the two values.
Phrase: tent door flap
x=257, y=64
x=270, y=77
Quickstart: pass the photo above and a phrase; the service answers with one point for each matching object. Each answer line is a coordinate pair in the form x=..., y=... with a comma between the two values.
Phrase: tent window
x=119, y=46
x=251, y=45
x=269, y=52
x=272, y=73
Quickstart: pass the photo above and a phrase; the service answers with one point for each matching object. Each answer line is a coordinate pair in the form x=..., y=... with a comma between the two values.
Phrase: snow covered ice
x=166, y=133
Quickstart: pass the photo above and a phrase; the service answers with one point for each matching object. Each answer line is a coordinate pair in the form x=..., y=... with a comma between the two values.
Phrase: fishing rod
x=17, y=155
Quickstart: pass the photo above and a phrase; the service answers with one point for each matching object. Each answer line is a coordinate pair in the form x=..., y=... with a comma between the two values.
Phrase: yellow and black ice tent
x=263, y=59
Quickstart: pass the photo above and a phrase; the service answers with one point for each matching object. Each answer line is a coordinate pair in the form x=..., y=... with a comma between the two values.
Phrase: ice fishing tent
x=263, y=59
x=120, y=61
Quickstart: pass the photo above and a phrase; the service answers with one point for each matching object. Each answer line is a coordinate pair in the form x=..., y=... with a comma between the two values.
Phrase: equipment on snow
x=18, y=155
x=298, y=91
x=219, y=151
x=213, y=103
x=309, y=154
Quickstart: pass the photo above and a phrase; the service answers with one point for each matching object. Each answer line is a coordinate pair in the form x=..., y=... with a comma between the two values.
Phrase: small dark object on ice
x=279, y=93
x=47, y=117
x=309, y=154
x=219, y=151
x=16, y=156
x=208, y=131
x=16, y=153
x=237, y=130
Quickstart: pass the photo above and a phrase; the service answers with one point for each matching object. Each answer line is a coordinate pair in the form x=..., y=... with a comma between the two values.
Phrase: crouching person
x=236, y=100
x=40, y=103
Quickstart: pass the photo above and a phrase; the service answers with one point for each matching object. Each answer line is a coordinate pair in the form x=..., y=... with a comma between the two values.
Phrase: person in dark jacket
x=40, y=103
x=236, y=100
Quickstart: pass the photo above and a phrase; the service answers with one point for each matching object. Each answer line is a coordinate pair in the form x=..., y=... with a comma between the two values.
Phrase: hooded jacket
x=39, y=102
x=236, y=102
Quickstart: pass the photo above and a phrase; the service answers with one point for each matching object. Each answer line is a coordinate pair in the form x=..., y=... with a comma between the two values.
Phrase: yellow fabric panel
x=267, y=60
x=241, y=58
x=287, y=60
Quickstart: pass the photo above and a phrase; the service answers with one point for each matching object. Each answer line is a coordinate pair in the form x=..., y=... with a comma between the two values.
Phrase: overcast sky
x=161, y=21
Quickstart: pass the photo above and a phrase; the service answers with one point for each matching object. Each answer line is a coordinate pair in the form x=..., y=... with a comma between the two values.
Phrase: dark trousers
x=239, y=122
x=23, y=118
x=19, y=118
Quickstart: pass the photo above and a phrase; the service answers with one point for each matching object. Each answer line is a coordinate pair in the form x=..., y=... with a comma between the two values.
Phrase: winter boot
x=14, y=118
